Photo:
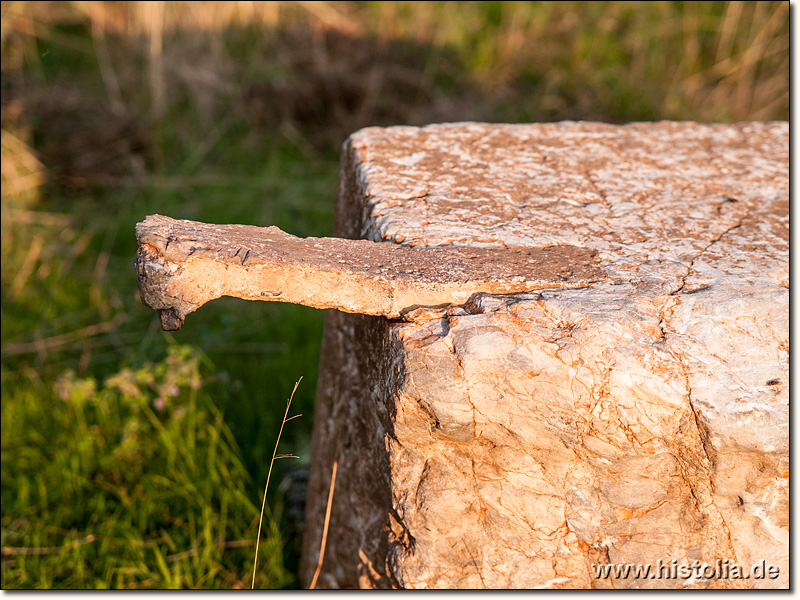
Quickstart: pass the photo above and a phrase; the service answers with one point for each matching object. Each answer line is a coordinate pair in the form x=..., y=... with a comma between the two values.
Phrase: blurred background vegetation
x=134, y=458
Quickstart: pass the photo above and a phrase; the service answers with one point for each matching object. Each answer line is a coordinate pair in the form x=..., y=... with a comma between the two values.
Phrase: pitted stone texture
x=529, y=439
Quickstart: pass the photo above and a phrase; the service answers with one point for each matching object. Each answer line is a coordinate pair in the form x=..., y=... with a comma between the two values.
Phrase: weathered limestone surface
x=521, y=440
x=182, y=264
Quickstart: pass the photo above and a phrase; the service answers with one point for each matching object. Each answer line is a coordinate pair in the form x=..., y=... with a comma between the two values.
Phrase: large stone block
x=528, y=440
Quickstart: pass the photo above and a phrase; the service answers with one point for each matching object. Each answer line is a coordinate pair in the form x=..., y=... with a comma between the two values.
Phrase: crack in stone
x=598, y=190
x=708, y=451
x=467, y=389
x=406, y=540
x=699, y=254
x=474, y=563
x=665, y=311
x=665, y=314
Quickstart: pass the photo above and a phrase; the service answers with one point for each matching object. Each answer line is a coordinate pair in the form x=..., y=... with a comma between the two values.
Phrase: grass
x=233, y=113
x=275, y=456
x=132, y=482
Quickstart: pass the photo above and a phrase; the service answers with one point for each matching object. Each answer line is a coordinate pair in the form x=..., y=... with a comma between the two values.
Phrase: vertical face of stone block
x=529, y=440
x=561, y=442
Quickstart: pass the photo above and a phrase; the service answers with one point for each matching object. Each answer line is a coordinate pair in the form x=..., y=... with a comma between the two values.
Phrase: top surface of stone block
x=652, y=198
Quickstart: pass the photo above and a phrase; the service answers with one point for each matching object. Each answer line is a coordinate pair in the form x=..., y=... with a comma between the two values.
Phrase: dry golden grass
x=275, y=456
x=318, y=70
